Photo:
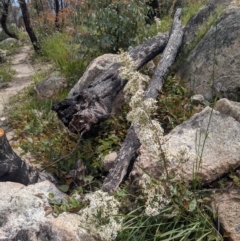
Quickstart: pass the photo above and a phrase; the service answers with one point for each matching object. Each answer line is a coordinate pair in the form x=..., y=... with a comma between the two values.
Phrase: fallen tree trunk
x=131, y=143
x=93, y=104
x=14, y=169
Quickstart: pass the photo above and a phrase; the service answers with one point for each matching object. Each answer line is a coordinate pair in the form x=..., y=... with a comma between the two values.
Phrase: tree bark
x=3, y=20
x=92, y=105
x=13, y=169
x=57, y=6
x=131, y=143
x=27, y=23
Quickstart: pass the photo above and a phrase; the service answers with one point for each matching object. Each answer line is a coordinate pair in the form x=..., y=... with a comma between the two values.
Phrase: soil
x=21, y=79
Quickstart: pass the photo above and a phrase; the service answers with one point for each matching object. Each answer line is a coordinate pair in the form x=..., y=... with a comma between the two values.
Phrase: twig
x=67, y=156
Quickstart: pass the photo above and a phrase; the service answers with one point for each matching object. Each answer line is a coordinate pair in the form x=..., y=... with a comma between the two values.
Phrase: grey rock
x=145, y=162
x=9, y=41
x=3, y=55
x=198, y=19
x=212, y=68
x=199, y=100
x=10, y=135
x=208, y=144
x=3, y=85
x=226, y=206
x=24, y=215
x=228, y=107
x=109, y=160
x=94, y=69
x=49, y=86
x=37, y=113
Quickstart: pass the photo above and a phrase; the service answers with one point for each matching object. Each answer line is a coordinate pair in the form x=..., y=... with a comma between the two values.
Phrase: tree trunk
x=93, y=104
x=127, y=153
x=13, y=169
x=57, y=26
x=3, y=20
x=27, y=23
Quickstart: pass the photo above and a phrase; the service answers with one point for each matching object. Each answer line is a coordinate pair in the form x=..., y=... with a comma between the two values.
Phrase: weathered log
x=14, y=169
x=93, y=104
x=131, y=143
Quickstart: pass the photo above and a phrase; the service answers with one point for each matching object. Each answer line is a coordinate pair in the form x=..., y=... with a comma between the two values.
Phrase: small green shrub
x=6, y=73
x=59, y=48
x=107, y=27
x=188, y=217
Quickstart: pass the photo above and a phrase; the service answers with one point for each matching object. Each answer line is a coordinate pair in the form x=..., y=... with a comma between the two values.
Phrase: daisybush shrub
x=110, y=26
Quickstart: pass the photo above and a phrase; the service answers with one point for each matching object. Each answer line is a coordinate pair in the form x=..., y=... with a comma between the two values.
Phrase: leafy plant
x=187, y=217
x=40, y=133
x=71, y=204
x=174, y=105
x=59, y=48
x=6, y=73
x=108, y=26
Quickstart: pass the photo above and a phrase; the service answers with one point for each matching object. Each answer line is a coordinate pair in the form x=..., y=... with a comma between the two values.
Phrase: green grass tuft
x=63, y=53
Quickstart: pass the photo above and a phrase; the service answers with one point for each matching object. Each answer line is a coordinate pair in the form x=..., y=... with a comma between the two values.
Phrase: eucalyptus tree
x=4, y=6
x=28, y=26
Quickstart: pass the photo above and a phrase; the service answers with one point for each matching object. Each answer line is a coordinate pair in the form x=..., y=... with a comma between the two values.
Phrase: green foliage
x=107, y=27
x=174, y=105
x=187, y=217
x=11, y=48
x=189, y=8
x=71, y=204
x=6, y=73
x=20, y=32
x=110, y=26
x=59, y=48
x=40, y=132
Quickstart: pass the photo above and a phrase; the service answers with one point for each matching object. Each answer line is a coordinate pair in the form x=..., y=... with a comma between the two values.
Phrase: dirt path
x=24, y=70
x=21, y=79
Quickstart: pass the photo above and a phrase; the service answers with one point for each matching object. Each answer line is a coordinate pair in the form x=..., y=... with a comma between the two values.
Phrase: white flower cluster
x=157, y=21
x=149, y=132
x=151, y=137
x=136, y=80
x=101, y=217
x=157, y=198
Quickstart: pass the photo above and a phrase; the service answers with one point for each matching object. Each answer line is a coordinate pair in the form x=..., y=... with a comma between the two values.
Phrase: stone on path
x=50, y=85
